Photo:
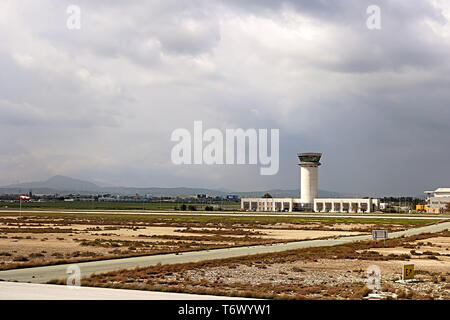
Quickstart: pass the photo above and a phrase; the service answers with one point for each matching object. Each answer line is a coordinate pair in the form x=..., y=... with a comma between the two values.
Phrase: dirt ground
x=341, y=272
x=38, y=240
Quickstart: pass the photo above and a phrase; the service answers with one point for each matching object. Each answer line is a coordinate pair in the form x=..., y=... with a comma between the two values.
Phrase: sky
x=101, y=102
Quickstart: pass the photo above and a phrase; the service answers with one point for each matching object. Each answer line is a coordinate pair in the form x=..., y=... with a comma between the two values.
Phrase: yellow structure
x=420, y=207
x=408, y=272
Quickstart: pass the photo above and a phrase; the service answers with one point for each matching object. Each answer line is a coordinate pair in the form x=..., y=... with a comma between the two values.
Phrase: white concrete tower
x=309, y=180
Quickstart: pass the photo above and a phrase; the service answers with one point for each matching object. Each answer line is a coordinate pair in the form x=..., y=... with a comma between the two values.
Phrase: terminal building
x=309, y=181
x=437, y=200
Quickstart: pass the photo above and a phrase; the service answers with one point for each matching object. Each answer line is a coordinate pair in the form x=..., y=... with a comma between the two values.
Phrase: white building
x=438, y=193
x=437, y=200
x=308, y=201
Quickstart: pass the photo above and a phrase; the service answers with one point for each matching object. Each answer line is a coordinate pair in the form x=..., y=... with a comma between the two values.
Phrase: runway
x=31, y=291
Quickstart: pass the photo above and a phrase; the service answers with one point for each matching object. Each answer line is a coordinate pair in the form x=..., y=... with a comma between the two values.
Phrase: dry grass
x=193, y=278
x=196, y=233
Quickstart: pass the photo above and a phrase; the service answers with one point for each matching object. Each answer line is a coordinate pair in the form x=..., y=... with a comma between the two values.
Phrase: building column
x=290, y=206
x=282, y=205
x=257, y=205
x=265, y=205
x=333, y=209
x=273, y=205
x=242, y=203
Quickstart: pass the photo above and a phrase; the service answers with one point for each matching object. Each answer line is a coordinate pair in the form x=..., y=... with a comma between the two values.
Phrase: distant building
x=437, y=200
x=232, y=197
x=308, y=201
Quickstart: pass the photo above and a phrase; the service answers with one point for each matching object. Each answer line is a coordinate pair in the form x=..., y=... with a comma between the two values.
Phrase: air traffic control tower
x=309, y=177
x=308, y=201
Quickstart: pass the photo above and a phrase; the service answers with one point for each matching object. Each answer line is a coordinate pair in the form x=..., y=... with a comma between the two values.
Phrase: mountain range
x=66, y=185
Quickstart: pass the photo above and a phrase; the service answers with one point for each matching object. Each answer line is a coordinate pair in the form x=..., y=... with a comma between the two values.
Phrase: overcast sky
x=100, y=103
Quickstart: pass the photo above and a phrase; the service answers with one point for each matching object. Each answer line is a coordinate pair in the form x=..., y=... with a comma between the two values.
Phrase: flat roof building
x=437, y=200
x=309, y=163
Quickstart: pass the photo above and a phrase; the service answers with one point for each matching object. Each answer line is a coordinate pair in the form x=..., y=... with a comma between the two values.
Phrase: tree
x=183, y=207
x=267, y=195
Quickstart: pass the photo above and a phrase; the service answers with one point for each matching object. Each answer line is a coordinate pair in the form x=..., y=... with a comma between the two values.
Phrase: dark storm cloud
x=101, y=102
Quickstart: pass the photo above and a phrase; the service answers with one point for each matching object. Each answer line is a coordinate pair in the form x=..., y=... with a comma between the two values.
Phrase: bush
x=20, y=258
x=361, y=293
x=57, y=254
x=297, y=269
x=401, y=294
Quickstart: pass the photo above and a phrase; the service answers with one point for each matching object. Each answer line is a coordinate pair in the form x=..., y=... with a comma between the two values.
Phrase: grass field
x=95, y=205
x=227, y=220
x=41, y=238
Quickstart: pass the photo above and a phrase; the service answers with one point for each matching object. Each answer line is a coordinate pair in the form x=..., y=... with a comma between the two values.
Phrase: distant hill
x=66, y=185
x=57, y=183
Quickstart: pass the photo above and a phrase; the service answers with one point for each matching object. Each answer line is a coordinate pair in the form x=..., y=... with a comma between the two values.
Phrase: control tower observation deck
x=309, y=176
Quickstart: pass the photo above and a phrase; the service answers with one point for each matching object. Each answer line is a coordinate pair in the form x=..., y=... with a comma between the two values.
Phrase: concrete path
x=255, y=214
x=31, y=291
x=44, y=274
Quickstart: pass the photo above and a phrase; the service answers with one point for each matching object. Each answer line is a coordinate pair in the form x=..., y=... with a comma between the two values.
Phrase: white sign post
x=380, y=234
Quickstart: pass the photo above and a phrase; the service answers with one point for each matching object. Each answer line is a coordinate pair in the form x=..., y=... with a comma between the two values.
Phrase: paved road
x=256, y=214
x=31, y=291
x=44, y=274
